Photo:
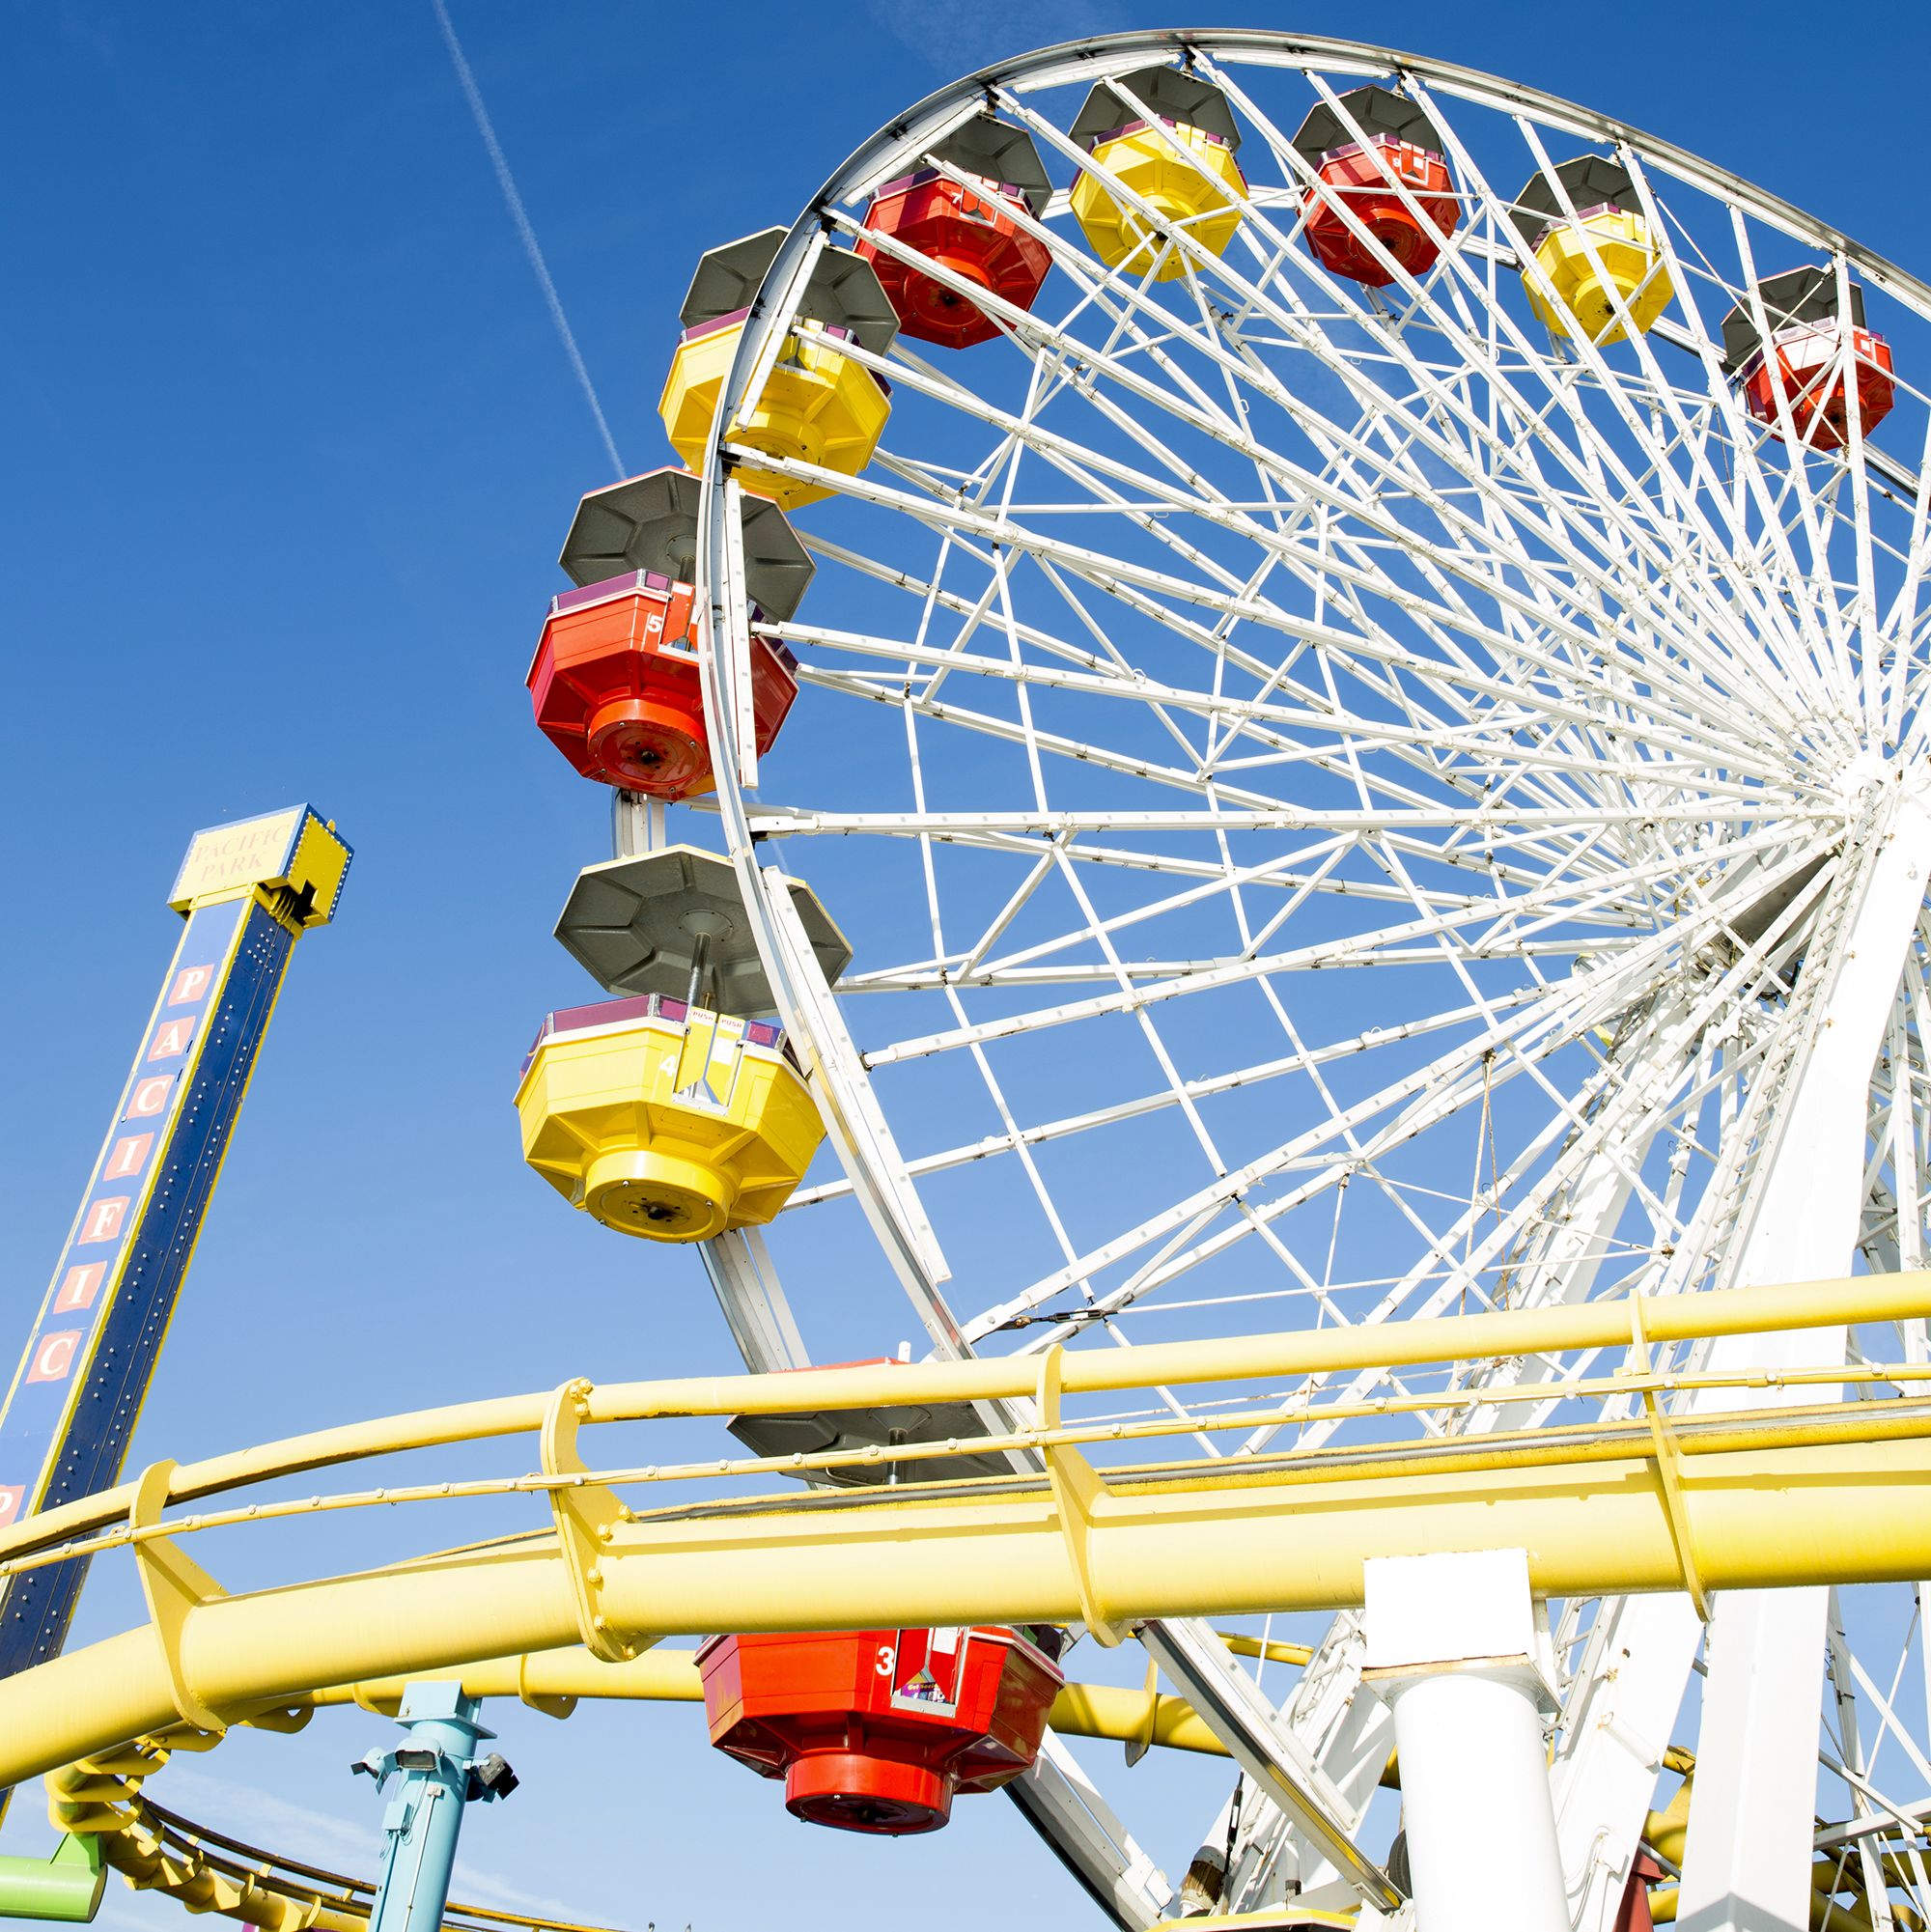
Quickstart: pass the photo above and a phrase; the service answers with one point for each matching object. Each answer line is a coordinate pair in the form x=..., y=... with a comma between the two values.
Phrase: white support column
x=1748, y=1858
x=1582, y=1226
x=636, y=824
x=753, y=1300
x=1457, y=1650
x=1746, y=1863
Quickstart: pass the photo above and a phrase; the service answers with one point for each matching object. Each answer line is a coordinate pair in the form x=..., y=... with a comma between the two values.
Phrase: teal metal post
x=437, y=1776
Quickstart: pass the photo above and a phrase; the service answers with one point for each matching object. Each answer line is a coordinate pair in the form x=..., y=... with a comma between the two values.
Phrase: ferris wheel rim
x=1096, y=56
x=1094, y=60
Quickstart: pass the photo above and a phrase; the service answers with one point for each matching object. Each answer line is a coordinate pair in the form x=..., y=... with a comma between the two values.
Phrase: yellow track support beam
x=1774, y=1497
x=1599, y=1325
x=1770, y=1502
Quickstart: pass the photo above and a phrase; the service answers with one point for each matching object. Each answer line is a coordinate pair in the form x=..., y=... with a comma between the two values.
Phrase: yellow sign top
x=293, y=859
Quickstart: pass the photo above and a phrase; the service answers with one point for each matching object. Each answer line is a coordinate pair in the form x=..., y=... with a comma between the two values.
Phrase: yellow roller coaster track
x=207, y=1870
x=1760, y=1498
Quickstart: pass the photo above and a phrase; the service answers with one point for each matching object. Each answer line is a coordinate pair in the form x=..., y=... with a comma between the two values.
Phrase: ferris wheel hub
x=657, y=1195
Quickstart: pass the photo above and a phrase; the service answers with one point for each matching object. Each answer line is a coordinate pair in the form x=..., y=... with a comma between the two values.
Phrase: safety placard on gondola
x=928, y=1668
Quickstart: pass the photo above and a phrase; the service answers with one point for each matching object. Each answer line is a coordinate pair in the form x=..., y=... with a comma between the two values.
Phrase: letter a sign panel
x=248, y=891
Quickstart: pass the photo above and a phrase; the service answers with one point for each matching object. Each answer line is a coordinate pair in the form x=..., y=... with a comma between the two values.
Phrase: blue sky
x=290, y=447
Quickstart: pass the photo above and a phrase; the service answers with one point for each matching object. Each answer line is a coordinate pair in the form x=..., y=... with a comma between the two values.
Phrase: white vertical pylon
x=1748, y=1860
x=636, y=824
x=1457, y=1650
x=1746, y=1866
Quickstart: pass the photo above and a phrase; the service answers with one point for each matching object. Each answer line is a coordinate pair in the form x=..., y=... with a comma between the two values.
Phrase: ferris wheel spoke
x=1451, y=617
x=1434, y=1096
x=1143, y=482
x=981, y=1062
x=1427, y=1096
x=1149, y=394
x=1688, y=503
x=1372, y=831
x=1897, y=618
x=1506, y=451
x=1237, y=719
x=1522, y=767
x=1444, y=926
x=1796, y=477
x=1374, y=679
x=1302, y=1059
x=1437, y=1279
x=1692, y=745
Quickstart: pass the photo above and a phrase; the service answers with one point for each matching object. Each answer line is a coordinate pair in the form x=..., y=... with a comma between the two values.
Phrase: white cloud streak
x=472, y=94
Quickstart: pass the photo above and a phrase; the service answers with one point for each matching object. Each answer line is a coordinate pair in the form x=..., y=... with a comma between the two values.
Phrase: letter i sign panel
x=79, y=1285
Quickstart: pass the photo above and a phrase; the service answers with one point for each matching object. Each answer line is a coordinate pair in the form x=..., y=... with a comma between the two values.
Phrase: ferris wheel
x=1356, y=739
x=1270, y=776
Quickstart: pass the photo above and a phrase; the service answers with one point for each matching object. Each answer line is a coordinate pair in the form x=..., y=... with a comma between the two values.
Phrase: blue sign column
x=247, y=891
x=436, y=1777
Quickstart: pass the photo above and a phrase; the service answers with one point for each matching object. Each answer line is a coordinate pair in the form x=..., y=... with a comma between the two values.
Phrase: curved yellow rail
x=553, y=1681
x=1757, y=1500
x=205, y=1870
x=1547, y=1332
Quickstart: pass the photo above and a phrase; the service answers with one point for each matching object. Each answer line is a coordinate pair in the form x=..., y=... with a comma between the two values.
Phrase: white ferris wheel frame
x=1313, y=1763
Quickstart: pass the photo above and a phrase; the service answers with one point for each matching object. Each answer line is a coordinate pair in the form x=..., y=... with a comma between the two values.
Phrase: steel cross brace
x=1238, y=1712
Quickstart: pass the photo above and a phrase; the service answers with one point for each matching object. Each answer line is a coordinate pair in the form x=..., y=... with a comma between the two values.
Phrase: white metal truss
x=1352, y=807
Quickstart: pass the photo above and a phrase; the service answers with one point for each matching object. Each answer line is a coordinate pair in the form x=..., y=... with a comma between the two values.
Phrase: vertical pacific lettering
x=79, y=1285
x=53, y=1355
x=128, y=1158
x=103, y=1219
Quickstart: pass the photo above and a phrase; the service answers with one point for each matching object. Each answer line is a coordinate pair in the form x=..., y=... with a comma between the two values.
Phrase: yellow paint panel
x=291, y=852
x=669, y=1130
